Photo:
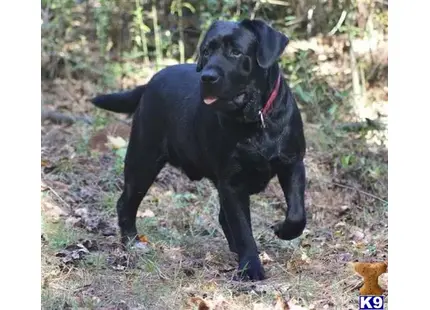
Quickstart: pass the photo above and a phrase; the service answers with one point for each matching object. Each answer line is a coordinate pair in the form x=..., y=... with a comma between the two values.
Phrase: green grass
x=58, y=235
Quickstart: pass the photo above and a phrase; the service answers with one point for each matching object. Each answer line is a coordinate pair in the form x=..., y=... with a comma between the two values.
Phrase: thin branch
x=59, y=197
x=158, y=51
x=256, y=7
x=360, y=191
x=181, y=32
x=296, y=21
x=368, y=124
x=239, y=4
x=339, y=23
x=276, y=2
x=61, y=118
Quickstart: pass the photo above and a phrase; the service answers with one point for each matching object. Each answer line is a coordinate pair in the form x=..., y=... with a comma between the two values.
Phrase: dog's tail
x=120, y=102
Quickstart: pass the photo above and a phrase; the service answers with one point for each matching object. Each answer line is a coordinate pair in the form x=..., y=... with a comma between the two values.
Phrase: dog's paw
x=129, y=240
x=250, y=268
x=289, y=230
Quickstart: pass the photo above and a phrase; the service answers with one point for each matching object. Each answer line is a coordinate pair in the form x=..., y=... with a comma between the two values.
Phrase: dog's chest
x=255, y=155
x=258, y=150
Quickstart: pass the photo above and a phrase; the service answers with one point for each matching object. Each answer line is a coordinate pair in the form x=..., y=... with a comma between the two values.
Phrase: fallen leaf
x=343, y=210
x=51, y=210
x=43, y=187
x=82, y=212
x=100, y=142
x=357, y=235
x=219, y=303
x=200, y=302
x=383, y=281
x=75, y=252
x=340, y=224
x=210, y=286
x=265, y=258
x=209, y=257
x=295, y=307
x=306, y=258
x=306, y=244
x=92, y=222
x=146, y=213
x=142, y=243
x=117, y=142
x=283, y=304
x=91, y=245
x=259, y=306
x=119, y=260
x=72, y=221
x=143, y=239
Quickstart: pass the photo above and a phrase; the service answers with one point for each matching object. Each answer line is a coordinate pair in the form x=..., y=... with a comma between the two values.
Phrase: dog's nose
x=209, y=76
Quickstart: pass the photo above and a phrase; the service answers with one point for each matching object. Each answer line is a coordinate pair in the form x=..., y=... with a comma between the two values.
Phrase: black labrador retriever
x=230, y=118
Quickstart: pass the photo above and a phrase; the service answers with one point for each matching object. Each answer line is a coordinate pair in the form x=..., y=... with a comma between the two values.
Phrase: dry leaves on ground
x=117, y=142
x=146, y=213
x=75, y=252
x=220, y=303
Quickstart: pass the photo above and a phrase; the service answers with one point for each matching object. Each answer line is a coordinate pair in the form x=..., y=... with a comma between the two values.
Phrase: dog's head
x=232, y=55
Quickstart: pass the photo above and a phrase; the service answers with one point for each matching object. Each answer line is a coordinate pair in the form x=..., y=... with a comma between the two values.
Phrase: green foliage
x=139, y=31
x=73, y=33
x=119, y=160
x=58, y=234
x=321, y=102
x=109, y=201
x=102, y=17
x=90, y=40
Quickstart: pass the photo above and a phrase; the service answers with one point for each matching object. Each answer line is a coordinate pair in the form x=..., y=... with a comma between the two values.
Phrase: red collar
x=270, y=101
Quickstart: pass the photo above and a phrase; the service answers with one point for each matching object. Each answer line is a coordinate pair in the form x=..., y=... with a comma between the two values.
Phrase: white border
x=409, y=187
x=20, y=154
x=409, y=173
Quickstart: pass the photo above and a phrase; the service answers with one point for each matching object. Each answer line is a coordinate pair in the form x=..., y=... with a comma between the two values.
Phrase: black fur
x=224, y=140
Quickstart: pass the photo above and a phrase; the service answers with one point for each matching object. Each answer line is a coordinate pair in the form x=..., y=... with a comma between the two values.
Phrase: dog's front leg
x=292, y=179
x=234, y=205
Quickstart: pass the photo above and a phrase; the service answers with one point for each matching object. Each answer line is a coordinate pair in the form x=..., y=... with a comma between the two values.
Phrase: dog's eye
x=206, y=53
x=235, y=53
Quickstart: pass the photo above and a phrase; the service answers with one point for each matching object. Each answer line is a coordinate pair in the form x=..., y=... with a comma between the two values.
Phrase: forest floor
x=186, y=260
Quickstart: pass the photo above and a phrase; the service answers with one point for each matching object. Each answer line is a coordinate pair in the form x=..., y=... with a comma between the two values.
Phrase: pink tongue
x=210, y=100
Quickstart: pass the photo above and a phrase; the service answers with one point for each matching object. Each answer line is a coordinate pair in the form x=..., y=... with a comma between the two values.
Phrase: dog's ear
x=271, y=43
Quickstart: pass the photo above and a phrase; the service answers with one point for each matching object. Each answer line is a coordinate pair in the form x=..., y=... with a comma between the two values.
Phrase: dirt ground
x=186, y=263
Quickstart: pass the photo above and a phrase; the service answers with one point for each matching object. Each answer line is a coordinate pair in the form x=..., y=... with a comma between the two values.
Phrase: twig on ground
x=58, y=117
x=61, y=118
x=359, y=190
x=368, y=124
x=59, y=197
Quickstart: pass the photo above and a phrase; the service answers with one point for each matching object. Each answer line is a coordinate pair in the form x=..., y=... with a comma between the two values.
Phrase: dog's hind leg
x=142, y=164
x=136, y=184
